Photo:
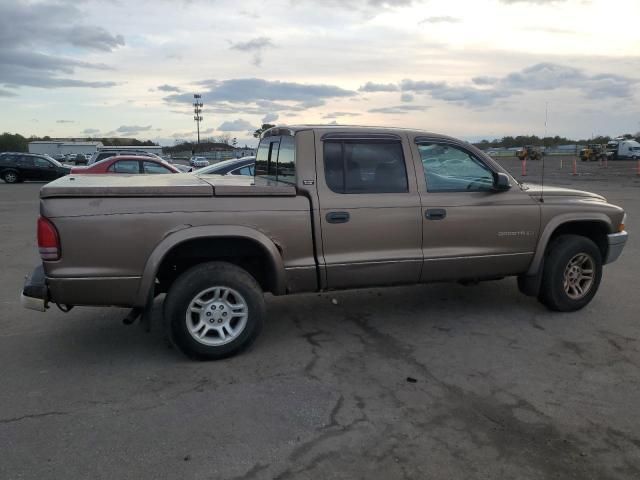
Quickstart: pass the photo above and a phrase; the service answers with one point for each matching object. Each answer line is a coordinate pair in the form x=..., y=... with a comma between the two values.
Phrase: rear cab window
x=276, y=159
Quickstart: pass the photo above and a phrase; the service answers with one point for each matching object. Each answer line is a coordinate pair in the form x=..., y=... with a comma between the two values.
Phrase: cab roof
x=293, y=129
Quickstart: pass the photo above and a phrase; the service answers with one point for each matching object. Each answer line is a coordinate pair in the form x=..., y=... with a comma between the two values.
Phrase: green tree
x=265, y=126
x=13, y=142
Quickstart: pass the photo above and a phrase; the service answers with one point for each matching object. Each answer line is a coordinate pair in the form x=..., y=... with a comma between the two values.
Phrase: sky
x=470, y=69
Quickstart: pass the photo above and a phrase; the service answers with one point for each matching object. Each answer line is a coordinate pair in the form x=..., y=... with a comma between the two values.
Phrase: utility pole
x=197, y=110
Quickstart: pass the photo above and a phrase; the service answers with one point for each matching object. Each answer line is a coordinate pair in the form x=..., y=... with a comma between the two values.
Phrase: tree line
x=14, y=142
x=521, y=140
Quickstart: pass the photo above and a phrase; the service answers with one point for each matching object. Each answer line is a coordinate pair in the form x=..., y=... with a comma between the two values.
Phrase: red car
x=128, y=164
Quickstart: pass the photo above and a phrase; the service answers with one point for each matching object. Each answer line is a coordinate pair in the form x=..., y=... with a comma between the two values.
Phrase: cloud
x=29, y=24
x=442, y=19
x=238, y=125
x=247, y=90
x=484, y=80
x=168, y=88
x=538, y=2
x=255, y=46
x=541, y=76
x=400, y=109
x=90, y=131
x=378, y=87
x=28, y=30
x=65, y=121
x=132, y=129
x=257, y=96
x=340, y=114
x=270, y=117
x=6, y=93
x=406, y=97
x=93, y=38
x=550, y=76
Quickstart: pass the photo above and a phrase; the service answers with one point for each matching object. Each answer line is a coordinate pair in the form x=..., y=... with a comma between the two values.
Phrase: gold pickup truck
x=329, y=207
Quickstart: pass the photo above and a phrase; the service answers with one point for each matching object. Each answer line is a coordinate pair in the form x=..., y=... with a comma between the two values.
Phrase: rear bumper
x=616, y=242
x=35, y=293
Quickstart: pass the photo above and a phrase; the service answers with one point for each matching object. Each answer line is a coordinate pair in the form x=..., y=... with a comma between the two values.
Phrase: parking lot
x=435, y=381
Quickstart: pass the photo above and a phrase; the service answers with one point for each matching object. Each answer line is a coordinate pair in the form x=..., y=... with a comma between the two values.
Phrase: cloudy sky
x=471, y=69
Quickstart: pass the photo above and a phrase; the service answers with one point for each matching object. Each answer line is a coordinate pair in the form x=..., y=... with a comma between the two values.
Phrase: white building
x=57, y=147
x=157, y=149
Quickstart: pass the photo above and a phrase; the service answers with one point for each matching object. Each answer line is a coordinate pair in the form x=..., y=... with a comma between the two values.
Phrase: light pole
x=197, y=110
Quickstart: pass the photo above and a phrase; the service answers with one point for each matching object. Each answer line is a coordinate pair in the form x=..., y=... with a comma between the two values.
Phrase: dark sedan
x=236, y=166
x=16, y=167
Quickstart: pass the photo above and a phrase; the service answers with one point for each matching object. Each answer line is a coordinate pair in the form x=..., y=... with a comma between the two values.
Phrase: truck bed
x=170, y=185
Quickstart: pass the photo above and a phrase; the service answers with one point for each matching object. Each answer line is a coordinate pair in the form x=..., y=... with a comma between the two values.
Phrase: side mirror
x=501, y=182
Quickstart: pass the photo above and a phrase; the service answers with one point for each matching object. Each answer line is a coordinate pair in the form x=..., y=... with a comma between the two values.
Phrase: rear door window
x=125, y=166
x=365, y=166
x=25, y=161
x=153, y=167
x=42, y=163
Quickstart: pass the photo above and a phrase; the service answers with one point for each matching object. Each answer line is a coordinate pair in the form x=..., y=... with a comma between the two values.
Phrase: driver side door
x=469, y=230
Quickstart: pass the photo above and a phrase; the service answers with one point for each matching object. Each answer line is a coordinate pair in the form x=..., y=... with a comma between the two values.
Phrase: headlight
x=624, y=220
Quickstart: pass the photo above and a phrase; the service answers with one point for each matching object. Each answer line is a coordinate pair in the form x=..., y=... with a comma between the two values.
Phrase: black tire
x=186, y=289
x=561, y=252
x=10, y=176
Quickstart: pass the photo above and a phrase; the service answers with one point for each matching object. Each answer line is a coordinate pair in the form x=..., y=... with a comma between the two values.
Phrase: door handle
x=338, y=217
x=435, y=214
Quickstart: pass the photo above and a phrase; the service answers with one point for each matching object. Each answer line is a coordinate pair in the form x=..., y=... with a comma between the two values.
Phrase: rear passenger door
x=27, y=168
x=370, y=210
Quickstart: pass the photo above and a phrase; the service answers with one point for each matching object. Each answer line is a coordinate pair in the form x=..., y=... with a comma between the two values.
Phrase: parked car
x=236, y=166
x=129, y=164
x=199, y=162
x=112, y=152
x=16, y=167
x=78, y=159
x=182, y=168
x=360, y=207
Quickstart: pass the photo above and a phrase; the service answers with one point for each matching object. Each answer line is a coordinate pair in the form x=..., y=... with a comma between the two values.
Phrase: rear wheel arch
x=245, y=247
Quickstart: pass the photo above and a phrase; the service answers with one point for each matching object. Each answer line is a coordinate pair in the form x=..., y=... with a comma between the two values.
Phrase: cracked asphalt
x=434, y=381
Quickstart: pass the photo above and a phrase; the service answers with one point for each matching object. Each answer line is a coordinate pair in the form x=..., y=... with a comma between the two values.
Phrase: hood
x=535, y=190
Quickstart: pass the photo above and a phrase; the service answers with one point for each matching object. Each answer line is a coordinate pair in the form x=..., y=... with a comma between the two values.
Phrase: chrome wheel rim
x=10, y=177
x=217, y=316
x=578, y=276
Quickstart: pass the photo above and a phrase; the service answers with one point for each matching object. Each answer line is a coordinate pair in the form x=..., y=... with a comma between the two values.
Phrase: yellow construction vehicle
x=529, y=152
x=593, y=152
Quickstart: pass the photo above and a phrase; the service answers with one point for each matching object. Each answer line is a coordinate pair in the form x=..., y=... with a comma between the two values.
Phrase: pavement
x=434, y=381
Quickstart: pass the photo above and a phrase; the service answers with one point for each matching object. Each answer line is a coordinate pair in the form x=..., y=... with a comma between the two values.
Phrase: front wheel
x=572, y=273
x=214, y=310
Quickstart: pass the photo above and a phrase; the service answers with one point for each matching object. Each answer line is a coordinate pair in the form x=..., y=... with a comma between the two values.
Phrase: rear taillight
x=48, y=240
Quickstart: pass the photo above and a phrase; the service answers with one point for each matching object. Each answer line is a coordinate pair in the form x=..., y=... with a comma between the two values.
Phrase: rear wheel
x=214, y=310
x=572, y=273
x=10, y=177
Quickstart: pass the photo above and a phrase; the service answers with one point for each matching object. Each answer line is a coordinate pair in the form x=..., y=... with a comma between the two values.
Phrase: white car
x=199, y=162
